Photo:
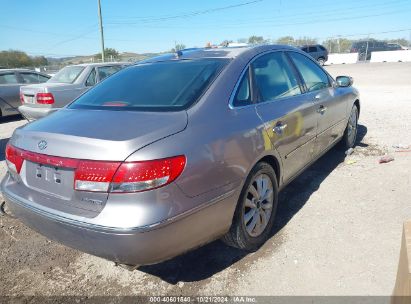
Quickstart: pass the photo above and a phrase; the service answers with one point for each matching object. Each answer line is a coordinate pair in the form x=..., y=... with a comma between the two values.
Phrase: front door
x=329, y=105
x=289, y=119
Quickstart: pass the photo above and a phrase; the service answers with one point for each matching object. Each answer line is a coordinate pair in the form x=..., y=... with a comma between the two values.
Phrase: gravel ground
x=338, y=228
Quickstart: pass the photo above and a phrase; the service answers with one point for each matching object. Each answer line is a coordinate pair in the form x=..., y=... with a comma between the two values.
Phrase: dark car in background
x=10, y=82
x=364, y=48
x=317, y=51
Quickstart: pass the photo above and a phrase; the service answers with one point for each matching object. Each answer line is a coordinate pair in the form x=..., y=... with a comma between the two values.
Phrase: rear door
x=330, y=107
x=289, y=118
x=9, y=93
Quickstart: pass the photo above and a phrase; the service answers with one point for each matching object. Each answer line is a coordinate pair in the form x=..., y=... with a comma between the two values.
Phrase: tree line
x=19, y=59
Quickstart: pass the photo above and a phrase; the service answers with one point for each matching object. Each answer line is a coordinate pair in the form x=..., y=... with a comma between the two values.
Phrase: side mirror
x=344, y=81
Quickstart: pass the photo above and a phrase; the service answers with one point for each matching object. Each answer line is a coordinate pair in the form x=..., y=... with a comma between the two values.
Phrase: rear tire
x=256, y=208
x=321, y=61
x=350, y=134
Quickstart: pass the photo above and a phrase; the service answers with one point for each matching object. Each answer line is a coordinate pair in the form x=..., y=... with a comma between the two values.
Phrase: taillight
x=21, y=98
x=105, y=176
x=94, y=175
x=45, y=98
x=120, y=177
x=14, y=158
x=145, y=175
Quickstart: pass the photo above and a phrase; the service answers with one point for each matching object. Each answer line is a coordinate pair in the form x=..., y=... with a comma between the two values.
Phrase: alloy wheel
x=258, y=205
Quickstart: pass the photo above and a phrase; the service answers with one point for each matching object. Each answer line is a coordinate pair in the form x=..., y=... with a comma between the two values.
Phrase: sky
x=70, y=27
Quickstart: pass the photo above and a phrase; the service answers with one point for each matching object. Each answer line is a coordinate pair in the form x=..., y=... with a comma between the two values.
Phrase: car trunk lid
x=29, y=92
x=101, y=135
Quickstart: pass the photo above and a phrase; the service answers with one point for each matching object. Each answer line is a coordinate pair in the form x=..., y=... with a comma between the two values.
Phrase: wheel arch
x=274, y=163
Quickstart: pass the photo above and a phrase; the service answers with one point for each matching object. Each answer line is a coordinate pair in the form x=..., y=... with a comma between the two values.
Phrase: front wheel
x=255, y=211
x=350, y=133
x=321, y=61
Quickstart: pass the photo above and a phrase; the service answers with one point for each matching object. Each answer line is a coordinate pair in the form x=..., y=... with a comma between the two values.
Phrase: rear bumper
x=133, y=246
x=35, y=113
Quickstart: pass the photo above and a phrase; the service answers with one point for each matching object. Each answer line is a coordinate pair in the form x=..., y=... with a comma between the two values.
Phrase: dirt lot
x=338, y=228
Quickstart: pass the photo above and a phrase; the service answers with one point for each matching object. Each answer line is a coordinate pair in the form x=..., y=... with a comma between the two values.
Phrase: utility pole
x=329, y=44
x=366, y=49
x=339, y=46
x=101, y=31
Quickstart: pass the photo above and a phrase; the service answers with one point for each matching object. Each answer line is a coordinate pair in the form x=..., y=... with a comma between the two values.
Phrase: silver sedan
x=177, y=151
x=39, y=100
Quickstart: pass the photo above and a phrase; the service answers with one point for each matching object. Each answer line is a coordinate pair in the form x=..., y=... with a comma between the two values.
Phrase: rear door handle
x=322, y=109
x=279, y=128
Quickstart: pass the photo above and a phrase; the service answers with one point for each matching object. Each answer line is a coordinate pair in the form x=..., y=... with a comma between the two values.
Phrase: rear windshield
x=67, y=75
x=159, y=86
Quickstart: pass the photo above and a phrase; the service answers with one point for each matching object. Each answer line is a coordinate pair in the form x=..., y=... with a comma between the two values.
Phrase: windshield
x=67, y=75
x=159, y=86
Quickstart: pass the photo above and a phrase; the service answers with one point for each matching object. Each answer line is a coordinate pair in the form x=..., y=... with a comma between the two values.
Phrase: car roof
x=99, y=64
x=19, y=70
x=305, y=45
x=220, y=52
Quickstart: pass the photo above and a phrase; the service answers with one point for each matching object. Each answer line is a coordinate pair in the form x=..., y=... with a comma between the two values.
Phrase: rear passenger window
x=274, y=77
x=30, y=78
x=314, y=76
x=243, y=95
x=8, y=78
x=106, y=71
x=312, y=49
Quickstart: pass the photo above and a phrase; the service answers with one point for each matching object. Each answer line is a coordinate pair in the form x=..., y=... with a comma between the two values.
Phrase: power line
x=316, y=13
x=323, y=37
x=320, y=14
x=189, y=14
x=73, y=38
x=312, y=21
x=366, y=34
x=259, y=21
x=338, y=19
x=36, y=31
